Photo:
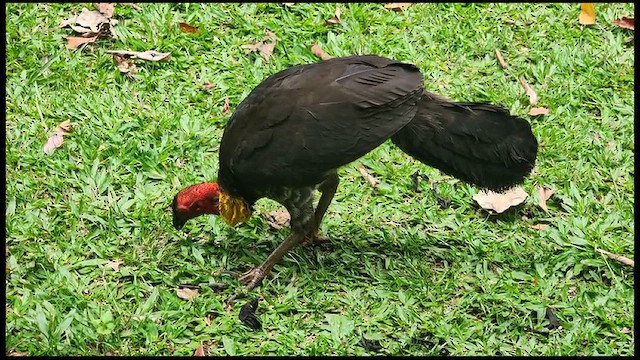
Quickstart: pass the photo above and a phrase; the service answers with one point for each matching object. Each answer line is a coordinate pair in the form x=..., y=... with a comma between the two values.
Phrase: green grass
x=419, y=279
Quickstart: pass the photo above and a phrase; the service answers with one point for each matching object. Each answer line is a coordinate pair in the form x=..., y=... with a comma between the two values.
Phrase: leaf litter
x=544, y=194
x=186, y=293
x=365, y=174
x=265, y=46
x=335, y=19
x=619, y=258
x=184, y=27
x=277, y=219
x=55, y=141
x=91, y=24
x=625, y=23
x=317, y=51
x=499, y=202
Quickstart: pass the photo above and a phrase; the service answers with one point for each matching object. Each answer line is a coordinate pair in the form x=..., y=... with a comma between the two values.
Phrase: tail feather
x=478, y=143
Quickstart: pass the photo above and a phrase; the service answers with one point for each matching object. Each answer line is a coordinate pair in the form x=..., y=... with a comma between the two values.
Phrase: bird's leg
x=328, y=189
x=255, y=276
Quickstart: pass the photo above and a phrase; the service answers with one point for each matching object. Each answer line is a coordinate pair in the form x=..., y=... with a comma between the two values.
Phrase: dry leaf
x=114, y=264
x=277, y=219
x=539, y=226
x=18, y=353
x=572, y=292
x=208, y=86
x=225, y=107
x=587, y=14
x=365, y=174
x=265, y=46
x=544, y=194
x=184, y=27
x=533, y=97
x=124, y=65
x=64, y=128
x=619, y=258
x=199, y=351
x=149, y=55
x=335, y=19
x=501, y=59
x=625, y=23
x=186, y=293
x=499, y=202
x=73, y=42
x=90, y=23
x=626, y=330
x=54, y=142
x=208, y=319
x=317, y=51
x=105, y=9
x=397, y=6
x=538, y=111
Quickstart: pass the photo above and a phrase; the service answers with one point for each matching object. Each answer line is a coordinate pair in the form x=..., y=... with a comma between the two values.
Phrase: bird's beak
x=177, y=223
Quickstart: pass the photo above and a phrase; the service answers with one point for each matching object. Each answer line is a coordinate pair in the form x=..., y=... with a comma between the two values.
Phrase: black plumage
x=295, y=129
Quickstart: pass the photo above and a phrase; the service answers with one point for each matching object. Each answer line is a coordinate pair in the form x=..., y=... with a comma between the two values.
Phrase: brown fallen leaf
x=572, y=292
x=264, y=46
x=335, y=19
x=625, y=23
x=501, y=59
x=186, y=293
x=114, y=264
x=277, y=219
x=91, y=23
x=18, y=353
x=533, y=97
x=397, y=6
x=587, y=14
x=538, y=111
x=539, y=226
x=105, y=9
x=184, y=27
x=626, y=330
x=499, y=202
x=74, y=42
x=317, y=51
x=208, y=319
x=54, y=142
x=544, y=194
x=225, y=107
x=208, y=86
x=365, y=174
x=150, y=55
x=64, y=128
x=199, y=351
x=125, y=65
x=619, y=258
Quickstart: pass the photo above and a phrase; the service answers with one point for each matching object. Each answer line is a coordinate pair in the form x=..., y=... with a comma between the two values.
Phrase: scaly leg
x=255, y=276
x=328, y=188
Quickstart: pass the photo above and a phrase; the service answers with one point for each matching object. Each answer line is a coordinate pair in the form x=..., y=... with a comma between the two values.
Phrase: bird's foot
x=252, y=278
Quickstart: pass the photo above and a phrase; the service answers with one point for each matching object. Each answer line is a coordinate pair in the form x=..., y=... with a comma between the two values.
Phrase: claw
x=253, y=278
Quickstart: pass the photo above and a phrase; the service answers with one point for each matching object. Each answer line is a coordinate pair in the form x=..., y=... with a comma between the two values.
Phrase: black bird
x=295, y=129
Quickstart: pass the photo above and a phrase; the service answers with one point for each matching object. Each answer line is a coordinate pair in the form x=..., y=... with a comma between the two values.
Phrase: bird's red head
x=194, y=201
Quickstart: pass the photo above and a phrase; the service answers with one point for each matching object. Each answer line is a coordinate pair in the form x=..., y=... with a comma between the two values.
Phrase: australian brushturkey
x=295, y=129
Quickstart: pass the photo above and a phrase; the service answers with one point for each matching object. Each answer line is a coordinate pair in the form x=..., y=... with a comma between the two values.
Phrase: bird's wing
x=303, y=122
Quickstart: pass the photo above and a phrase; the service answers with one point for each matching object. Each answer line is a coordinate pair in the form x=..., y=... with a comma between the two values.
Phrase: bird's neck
x=233, y=210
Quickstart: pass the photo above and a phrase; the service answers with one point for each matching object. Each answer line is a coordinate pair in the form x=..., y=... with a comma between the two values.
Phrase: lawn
x=94, y=265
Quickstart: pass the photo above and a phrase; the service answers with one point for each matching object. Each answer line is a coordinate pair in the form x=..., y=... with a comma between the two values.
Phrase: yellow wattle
x=233, y=210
